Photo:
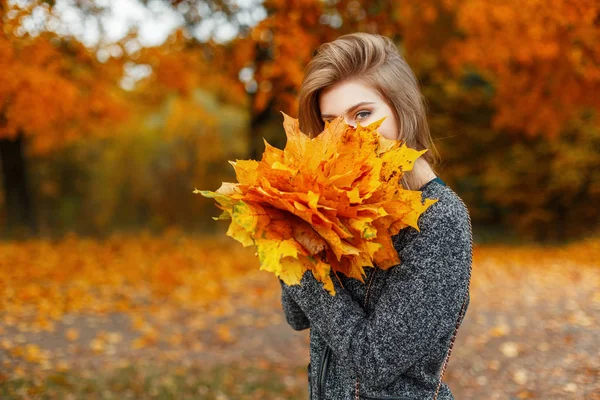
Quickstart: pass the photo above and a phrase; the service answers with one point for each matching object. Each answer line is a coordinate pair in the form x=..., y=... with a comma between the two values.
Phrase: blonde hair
x=375, y=60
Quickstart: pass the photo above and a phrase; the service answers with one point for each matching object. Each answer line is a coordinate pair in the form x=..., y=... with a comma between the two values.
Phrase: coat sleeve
x=294, y=315
x=417, y=310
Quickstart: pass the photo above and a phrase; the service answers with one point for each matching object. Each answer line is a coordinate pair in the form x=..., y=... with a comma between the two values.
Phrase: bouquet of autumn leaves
x=326, y=203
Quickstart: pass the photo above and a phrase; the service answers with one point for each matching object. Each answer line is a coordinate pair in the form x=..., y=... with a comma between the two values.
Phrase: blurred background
x=116, y=283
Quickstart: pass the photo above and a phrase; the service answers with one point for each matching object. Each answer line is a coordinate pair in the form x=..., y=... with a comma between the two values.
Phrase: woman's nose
x=350, y=121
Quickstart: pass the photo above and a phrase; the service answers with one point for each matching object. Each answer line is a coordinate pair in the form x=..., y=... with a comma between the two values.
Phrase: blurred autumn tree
x=512, y=90
x=189, y=119
x=513, y=86
x=52, y=90
x=161, y=132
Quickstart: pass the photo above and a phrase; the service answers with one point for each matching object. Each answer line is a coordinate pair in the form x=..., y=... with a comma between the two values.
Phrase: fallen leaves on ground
x=76, y=307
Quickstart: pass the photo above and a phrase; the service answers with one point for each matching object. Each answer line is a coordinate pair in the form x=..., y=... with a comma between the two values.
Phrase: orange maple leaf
x=332, y=202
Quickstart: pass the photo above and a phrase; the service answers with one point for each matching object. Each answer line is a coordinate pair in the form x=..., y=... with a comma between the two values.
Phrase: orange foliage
x=181, y=65
x=54, y=89
x=543, y=57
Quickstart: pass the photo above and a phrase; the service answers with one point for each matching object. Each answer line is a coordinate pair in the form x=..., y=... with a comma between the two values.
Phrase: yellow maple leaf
x=325, y=204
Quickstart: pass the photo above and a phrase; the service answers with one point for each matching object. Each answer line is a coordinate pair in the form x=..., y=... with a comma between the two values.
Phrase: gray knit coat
x=388, y=338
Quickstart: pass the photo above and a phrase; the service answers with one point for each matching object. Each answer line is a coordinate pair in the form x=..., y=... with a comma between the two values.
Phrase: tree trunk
x=17, y=196
x=257, y=120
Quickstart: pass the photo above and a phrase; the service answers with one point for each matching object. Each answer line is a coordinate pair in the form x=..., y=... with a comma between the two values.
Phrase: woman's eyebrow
x=362, y=103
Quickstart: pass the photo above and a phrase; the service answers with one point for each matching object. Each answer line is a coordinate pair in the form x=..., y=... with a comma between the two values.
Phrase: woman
x=389, y=337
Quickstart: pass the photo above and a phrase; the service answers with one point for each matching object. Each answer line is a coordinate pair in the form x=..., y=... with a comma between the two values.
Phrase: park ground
x=180, y=317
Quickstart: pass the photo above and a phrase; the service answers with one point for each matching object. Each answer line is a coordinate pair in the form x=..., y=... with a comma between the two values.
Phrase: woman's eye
x=361, y=115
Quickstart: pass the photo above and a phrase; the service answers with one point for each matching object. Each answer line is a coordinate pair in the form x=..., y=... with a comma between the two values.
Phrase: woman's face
x=357, y=102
